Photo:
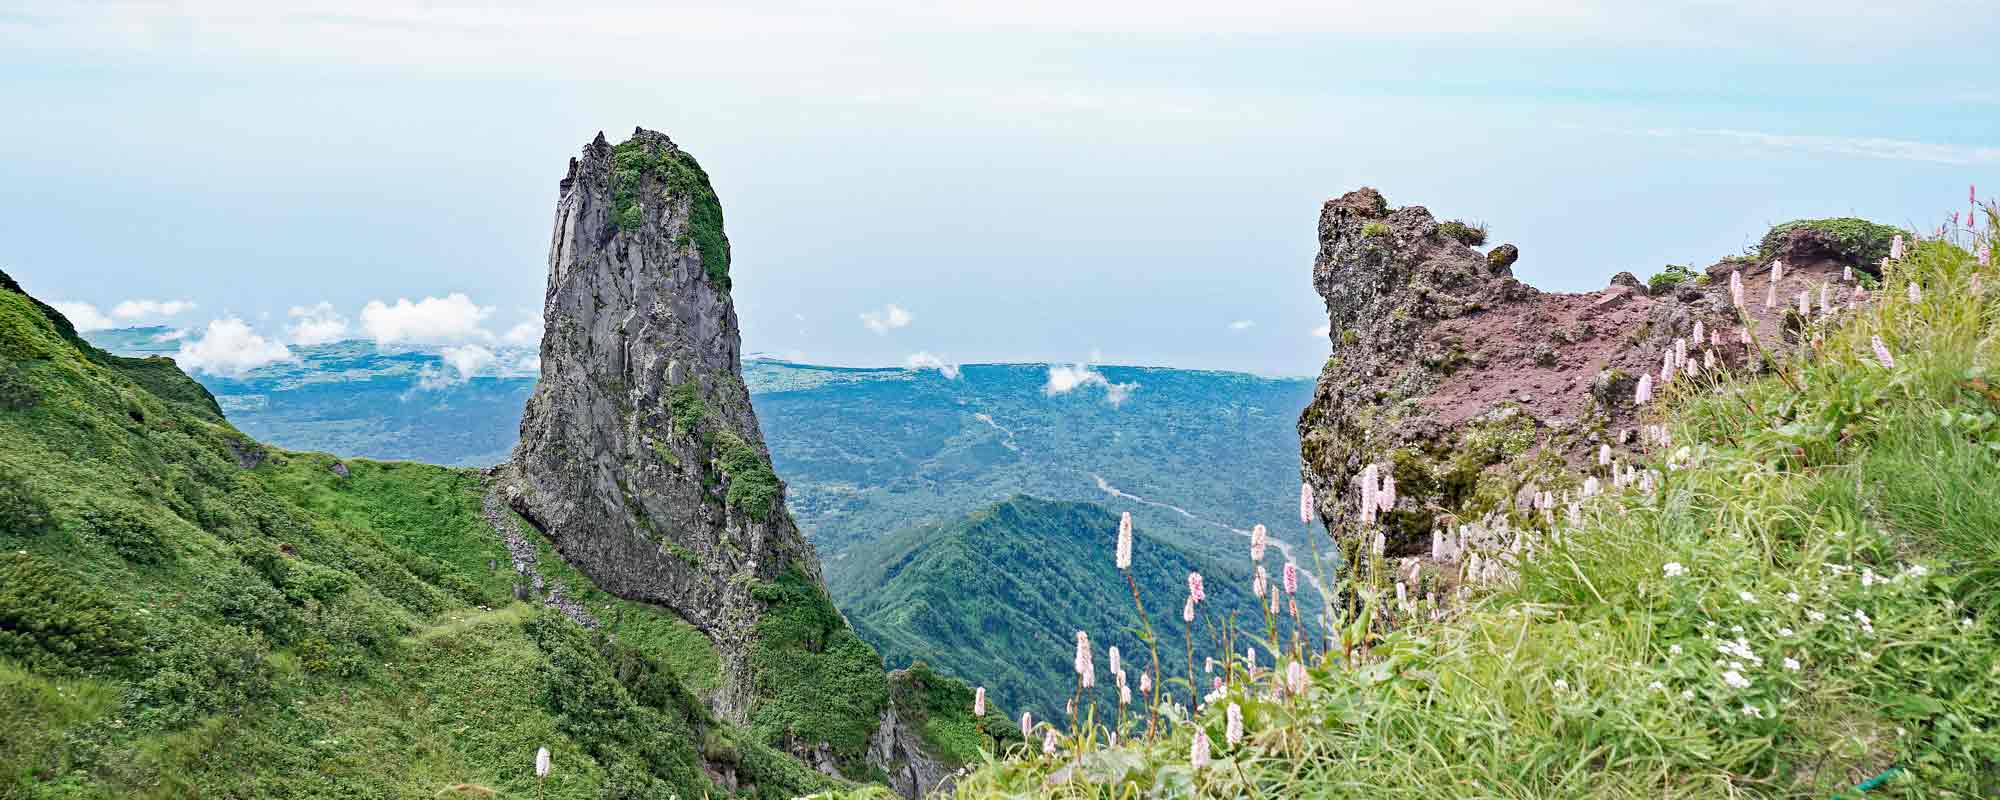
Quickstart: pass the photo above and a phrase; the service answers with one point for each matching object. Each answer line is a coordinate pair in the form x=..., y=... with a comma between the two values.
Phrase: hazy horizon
x=1137, y=181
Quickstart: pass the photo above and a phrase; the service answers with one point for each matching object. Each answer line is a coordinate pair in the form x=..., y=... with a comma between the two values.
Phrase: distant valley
x=1198, y=457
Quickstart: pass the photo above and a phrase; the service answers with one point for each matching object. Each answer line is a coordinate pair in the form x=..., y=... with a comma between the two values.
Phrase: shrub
x=1374, y=230
x=753, y=486
x=195, y=670
x=126, y=528
x=17, y=393
x=1853, y=240
x=57, y=623
x=22, y=509
x=1458, y=230
x=1670, y=277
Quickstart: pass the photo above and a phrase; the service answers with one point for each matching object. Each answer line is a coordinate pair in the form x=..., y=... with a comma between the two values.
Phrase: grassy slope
x=996, y=597
x=175, y=625
x=1597, y=673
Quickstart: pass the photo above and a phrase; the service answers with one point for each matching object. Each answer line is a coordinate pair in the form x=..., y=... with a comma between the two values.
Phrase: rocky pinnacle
x=640, y=456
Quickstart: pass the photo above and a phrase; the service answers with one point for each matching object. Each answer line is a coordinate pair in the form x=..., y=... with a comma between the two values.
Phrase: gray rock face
x=640, y=456
x=897, y=748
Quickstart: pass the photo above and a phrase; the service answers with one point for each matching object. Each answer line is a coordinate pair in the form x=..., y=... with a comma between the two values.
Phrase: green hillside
x=187, y=613
x=996, y=597
x=1805, y=604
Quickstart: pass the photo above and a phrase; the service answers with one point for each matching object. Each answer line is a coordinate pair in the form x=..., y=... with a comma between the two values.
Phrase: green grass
x=174, y=624
x=1598, y=671
x=816, y=680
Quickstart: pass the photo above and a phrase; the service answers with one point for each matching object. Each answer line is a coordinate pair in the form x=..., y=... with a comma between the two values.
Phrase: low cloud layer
x=230, y=348
x=1065, y=379
x=925, y=360
x=84, y=316
x=318, y=324
x=886, y=320
x=452, y=318
x=141, y=309
x=526, y=334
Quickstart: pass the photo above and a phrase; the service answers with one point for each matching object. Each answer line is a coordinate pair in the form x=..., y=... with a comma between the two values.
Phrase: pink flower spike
x=1194, y=588
x=979, y=702
x=1124, y=554
x=1644, y=394
x=1086, y=671
x=1291, y=578
x=1736, y=288
x=1916, y=294
x=1896, y=248
x=1305, y=503
x=1028, y=721
x=1187, y=611
x=1882, y=355
x=1197, y=752
x=1259, y=539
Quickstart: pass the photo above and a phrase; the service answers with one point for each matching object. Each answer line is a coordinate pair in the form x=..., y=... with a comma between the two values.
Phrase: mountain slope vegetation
x=187, y=613
x=996, y=597
x=1797, y=599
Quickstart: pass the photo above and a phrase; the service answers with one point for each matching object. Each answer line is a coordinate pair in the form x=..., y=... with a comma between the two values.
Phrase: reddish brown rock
x=1473, y=385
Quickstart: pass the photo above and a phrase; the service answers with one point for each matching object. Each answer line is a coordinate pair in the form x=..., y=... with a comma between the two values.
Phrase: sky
x=1037, y=181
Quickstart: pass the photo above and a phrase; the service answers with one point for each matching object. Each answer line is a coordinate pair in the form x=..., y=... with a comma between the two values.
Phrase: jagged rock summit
x=640, y=455
x=1478, y=390
x=641, y=459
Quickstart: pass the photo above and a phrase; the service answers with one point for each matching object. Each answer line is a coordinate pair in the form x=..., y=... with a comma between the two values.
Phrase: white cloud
x=174, y=335
x=451, y=318
x=316, y=325
x=1323, y=331
x=1871, y=147
x=1241, y=325
x=230, y=347
x=134, y=309
x=526, y=366
x=84, y=316
x=461, y=363
x=526, y=334
x=1063, y=380
x=885, y=320
x=924, y=360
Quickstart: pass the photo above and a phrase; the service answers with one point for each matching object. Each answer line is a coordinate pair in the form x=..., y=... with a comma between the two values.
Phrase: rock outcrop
x=642, y=461
x=640, y=456
x=1478, y=389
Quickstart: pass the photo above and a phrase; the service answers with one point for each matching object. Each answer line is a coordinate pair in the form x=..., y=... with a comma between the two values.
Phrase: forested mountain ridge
x=997, y=596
